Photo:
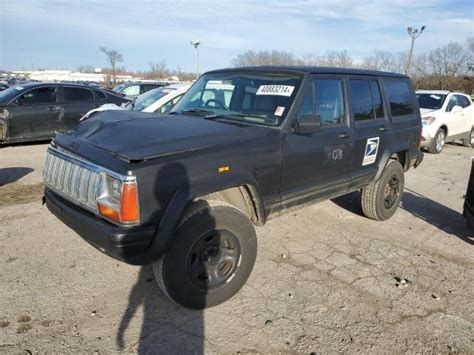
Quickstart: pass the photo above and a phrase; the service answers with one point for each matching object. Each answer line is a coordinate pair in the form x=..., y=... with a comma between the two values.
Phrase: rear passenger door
x=315, y=165
x=371, y=127
x=75, y=103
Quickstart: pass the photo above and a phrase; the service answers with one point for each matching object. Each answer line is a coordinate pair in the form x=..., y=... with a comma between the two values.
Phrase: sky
x=64, y=34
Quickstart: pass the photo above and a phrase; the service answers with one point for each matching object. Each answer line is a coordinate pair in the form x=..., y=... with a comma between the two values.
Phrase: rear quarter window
x=399, y=97
x=77, y=94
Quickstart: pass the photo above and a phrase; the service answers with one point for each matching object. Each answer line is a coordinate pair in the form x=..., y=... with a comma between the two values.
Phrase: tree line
x=448, y=67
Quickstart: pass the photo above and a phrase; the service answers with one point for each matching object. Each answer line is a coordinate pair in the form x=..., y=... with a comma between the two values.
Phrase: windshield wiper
x=198, y=112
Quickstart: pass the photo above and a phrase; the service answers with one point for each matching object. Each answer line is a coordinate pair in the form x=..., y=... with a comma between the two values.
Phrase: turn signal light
x=108, y=212
x=129, y=205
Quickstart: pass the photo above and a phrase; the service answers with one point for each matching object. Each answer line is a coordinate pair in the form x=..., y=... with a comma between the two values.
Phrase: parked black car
x=132, y=90
x=35, y=111
x=469, y=201
x=242, y=146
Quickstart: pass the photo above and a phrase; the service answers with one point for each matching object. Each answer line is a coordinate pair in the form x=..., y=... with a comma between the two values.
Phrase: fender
x=184, y=195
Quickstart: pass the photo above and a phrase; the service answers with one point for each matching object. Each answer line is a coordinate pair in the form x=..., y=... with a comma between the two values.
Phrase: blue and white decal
x=371, y=150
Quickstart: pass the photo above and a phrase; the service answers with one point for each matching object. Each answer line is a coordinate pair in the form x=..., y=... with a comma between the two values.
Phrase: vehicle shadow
x=166, y=327
x=432, y=212
x=9, y=175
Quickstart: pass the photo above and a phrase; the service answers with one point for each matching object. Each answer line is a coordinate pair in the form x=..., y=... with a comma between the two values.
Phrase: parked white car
x=160, y=100
x=446, y=117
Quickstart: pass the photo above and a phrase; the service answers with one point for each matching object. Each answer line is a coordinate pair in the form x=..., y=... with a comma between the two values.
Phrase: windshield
x=430, y=101
x=143, y=101
x=246, y=97
x=8, y=94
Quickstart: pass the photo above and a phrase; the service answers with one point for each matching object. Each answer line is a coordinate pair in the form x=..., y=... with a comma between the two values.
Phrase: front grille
x=72, y=178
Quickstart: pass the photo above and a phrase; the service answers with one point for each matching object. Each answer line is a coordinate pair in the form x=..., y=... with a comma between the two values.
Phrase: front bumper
x=427, y=137
x=129, y=245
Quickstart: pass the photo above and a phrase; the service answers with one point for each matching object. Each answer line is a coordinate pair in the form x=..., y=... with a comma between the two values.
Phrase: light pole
x=196, y=43
x=414, y=34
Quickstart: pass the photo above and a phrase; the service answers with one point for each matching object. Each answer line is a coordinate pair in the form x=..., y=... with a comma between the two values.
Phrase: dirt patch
x=16, y=193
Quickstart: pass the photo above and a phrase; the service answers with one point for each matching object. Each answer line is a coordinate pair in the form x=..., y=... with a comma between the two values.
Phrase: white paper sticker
x=278, y=90
x=371, y=150
x=436, y=97
x=279, y=111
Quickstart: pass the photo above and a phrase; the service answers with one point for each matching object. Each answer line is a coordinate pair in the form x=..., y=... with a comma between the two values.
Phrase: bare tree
x=158, y=70
x=251, y=58
x=448, y=60
x=113, y=57
x=380, y=60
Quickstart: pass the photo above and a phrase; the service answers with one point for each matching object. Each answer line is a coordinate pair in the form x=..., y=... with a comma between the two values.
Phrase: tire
x=211, y=257
x=381, y=198
x=469, y=140
x=437, y=144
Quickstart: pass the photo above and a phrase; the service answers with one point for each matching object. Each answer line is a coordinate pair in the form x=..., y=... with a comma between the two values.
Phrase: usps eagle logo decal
x=371, y=150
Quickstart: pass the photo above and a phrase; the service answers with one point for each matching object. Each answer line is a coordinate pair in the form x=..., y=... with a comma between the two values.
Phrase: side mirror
x=308, y=124
x=456, y=109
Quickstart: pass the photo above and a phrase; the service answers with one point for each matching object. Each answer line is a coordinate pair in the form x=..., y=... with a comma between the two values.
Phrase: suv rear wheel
x=437, y=143
x=380, y=199
x=211, y=257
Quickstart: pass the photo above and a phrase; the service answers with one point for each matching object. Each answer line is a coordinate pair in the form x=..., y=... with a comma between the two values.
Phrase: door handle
x=344, y=135
x=382, y=128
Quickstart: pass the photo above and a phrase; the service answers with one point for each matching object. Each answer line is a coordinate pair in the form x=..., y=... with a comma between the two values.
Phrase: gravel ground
x=326, y=279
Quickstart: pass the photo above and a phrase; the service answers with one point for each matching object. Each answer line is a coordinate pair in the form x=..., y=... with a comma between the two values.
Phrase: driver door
x=35, y=113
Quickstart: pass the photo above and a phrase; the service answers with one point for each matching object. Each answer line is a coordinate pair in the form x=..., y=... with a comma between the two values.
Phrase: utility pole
x=414, y=34
x=196, y=43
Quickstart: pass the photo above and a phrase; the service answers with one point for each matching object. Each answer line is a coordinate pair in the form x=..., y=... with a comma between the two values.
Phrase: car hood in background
x=104, y=107
x=137, y=136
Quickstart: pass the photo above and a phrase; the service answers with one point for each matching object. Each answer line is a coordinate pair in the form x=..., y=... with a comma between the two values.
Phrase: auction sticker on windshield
x=278, y=90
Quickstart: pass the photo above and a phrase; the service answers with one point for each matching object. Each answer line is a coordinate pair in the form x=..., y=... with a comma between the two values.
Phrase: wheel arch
x=241, y=193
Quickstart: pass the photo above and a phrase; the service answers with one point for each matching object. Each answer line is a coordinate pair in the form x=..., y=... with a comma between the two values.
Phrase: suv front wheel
x=211, y=257
x=380, y=199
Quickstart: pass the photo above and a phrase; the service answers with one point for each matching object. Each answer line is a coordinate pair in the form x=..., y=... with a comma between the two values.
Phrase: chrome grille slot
x=72, y=178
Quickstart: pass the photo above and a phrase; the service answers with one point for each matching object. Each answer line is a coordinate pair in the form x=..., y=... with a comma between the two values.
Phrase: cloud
x=146, y=30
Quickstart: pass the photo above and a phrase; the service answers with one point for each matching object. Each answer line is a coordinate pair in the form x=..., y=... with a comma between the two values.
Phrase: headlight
x=118, y=200
x=428, y=120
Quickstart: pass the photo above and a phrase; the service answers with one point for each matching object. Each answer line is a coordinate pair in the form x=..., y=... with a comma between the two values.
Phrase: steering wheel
x=217, y=103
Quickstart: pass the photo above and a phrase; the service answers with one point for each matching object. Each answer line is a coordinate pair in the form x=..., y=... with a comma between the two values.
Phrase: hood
x=425, y=111
x=136, y=136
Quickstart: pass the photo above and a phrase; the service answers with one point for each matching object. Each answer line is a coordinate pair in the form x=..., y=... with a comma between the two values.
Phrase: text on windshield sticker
x=278, y=90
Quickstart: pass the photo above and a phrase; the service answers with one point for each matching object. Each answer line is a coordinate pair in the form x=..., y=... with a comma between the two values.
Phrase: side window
x=377, y=98
x=399, y=96
x=101, y=95
x=464, y=101
x=133, y=90
x=169, y=105
x=329, y=99
x=451, y=103
x=361, y=100
x=45, y=95
x=77, y=94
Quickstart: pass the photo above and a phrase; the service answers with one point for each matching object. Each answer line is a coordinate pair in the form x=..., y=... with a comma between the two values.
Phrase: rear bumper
x=129, y=245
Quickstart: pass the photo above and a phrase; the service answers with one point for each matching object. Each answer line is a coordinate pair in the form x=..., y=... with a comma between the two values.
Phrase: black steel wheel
x=211, y=256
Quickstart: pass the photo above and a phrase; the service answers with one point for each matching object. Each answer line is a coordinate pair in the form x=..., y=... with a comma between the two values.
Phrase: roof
x=311, y=70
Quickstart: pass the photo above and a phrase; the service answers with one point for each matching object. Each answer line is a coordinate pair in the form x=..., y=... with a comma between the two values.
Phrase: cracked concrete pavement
x=326, y=280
